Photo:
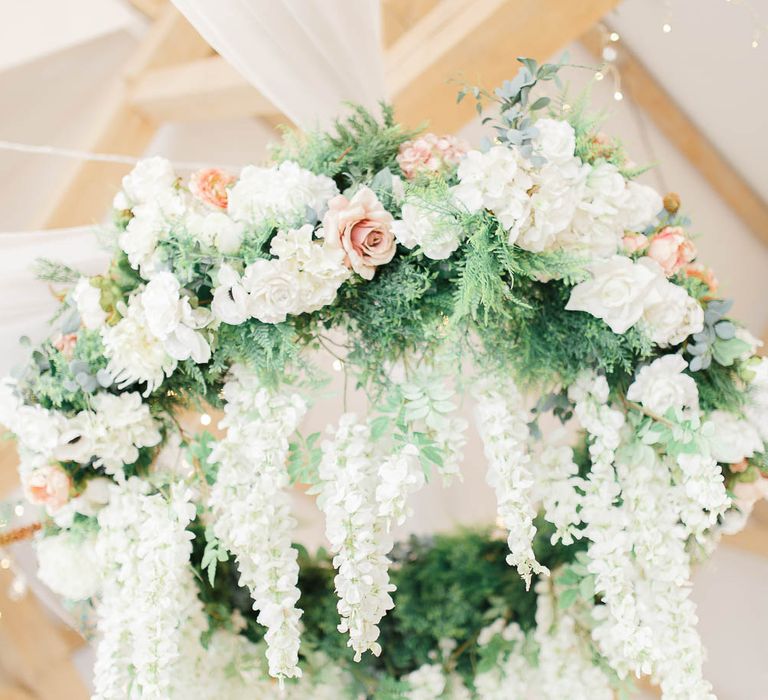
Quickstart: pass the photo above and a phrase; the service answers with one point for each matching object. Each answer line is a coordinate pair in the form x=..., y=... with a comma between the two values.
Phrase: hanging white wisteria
x=534, y=283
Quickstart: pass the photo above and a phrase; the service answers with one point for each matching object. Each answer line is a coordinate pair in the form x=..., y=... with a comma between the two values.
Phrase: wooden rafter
x=641, y=87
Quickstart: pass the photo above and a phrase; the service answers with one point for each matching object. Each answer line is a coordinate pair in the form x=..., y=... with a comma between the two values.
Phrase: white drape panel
x=306, y=56
x=26, y=303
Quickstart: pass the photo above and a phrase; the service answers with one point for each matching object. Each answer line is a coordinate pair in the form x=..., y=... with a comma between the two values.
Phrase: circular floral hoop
x=570, y=289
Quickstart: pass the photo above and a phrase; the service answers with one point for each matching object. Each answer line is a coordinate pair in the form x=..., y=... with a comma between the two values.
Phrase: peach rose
x=703, y=273
x=363, y=229
x=672, y=249
x=633, y=242
x=48, y=486
x=65, y=344
x=739, y=466
x=210, y=186
x=430, y=153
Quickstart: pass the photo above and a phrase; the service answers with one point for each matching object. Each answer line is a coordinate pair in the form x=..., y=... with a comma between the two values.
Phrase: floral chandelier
x=571, y=291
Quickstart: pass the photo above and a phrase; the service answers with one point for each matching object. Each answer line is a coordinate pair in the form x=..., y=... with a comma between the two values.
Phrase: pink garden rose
x=430, y=153
x=65, y=344
x=47, y=486
x=634, y=242
x=672, y=249
x=210, y=186
x=363, y=229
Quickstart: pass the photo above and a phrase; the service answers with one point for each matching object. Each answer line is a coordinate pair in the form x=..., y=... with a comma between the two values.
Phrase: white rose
x=662, y=385
x=68, y=565
x=273, y=290
x=87, y=298
x=556, y=140
x=230, y=300
x=436, y=234
x=731, y=439
x=150, y=177
x=670, y=313
x=606, y=191
x=642, y=207
x=218, y=230
x=615, y=293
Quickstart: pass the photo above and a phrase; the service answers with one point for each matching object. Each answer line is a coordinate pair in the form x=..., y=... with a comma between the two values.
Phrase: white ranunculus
x=272, y=288
x=556, y=140
x=436, y=234
x=294, y=245
x=281, y=194
x=642, y=207
x=662, y=385
x=670, y=314
x=217, y=230
x=68, y=565
x=615, y=293
x=150, y=177
x=87, y=298
x=230, y=300
x=731, y=439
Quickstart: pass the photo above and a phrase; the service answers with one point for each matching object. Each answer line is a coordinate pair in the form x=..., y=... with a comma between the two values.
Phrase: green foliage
x=304, y=456
x=358, y=146
x=53, y=271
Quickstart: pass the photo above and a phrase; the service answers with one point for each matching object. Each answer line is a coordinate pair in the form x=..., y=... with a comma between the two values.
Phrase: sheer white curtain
x=306, y=56
x=26, y=303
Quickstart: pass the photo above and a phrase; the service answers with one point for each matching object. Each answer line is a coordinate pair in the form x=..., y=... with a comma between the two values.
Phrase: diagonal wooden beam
x=681, y=130
x=119, y=127
x=205, y=89
x=478, y=43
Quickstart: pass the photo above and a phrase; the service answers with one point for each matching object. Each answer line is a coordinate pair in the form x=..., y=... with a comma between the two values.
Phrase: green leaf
x=567, y=598
x=379, y=426
x=587, y=587
x=433, y=455
x=540, y=103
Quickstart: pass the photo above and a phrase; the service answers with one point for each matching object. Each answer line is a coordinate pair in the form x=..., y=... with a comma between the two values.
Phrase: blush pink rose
x=634, y=242
x=703, y=273
x=48, y=486
x=210, y=186
x=430, y=153
x=65, y=344
x=672, y=249
x=362, y=228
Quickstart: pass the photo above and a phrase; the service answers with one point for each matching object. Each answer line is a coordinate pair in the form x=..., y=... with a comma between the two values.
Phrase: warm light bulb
x=755, y=43
x=19, y=510
x=5, y=563
x=666, y=28
x=618, y=96
x=614, y=36
x=338, y=365
x=205, y=419
x=609, y=54
x=599, y=75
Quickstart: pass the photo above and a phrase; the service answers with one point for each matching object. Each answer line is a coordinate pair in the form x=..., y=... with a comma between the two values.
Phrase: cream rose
x=273, y=290
x=363, y=229
x=672, y=249
x=662, y=385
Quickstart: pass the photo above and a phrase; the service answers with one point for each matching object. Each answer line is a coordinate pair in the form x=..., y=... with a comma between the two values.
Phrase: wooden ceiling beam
x=200, y=90
x=119, y=127
x=641, y=87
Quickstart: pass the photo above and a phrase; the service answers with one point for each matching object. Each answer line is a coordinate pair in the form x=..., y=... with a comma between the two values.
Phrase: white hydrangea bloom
x=217, y=230
x=616, y=292
x=642, y=206
x=148, y=590
x=498, y=180
x=173, y=321
x=435, y=233
x=150, y=177
x=68, y=565
x=280, y=195
x=356, y=532
x=252, y=512
x=502, y=421
x=135, y=354
x=87, y=298
x=662, y=386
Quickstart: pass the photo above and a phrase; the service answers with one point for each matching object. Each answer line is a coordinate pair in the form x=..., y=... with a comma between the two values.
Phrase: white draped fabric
x=306, y=56
x=26, y=303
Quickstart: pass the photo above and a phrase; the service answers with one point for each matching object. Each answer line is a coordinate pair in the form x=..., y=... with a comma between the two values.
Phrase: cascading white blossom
x=512, y=673
x=399, y=476
x=432, y=682
x=659, y=541
x=148, y=590
x=359, y=541
x=621, y=635
x=565, y=662
x=251, y=508
x=557, y=481
x=502, y=420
